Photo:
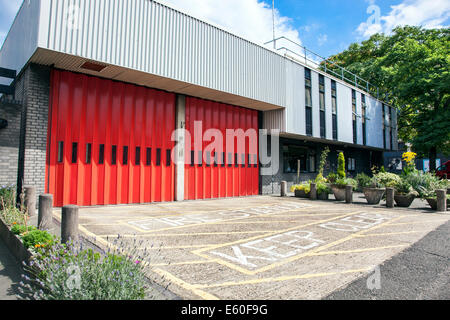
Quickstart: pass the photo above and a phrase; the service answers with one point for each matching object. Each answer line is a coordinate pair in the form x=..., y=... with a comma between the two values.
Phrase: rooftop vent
x=92, y=66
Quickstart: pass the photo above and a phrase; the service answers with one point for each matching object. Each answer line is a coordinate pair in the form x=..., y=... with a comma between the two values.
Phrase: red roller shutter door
x=108, y=142
x=220, y=181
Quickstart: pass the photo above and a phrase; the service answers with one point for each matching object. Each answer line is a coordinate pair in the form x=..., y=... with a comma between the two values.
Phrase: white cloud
x=250, y=19
x=426, y=13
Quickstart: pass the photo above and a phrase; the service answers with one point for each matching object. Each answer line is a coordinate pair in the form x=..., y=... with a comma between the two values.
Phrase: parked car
x=444, y=169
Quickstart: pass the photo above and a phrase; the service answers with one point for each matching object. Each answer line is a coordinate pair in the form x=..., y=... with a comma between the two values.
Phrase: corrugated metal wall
x=177, y=46
x=109, y=142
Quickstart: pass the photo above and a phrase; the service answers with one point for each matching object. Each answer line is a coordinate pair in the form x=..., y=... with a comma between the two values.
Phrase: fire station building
x=94, y=90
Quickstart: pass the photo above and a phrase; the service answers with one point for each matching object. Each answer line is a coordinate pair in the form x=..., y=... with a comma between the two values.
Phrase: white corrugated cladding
x=151, y=38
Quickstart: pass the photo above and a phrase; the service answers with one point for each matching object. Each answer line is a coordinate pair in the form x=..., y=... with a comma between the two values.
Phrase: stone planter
x=433, y=203
x=404, y=200
x=14, y=243
x=338, y=191
x=301, y=194
x=322, y=196
x=373, y=195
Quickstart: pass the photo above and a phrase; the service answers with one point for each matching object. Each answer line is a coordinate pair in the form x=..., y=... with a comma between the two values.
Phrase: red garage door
x=108, y=142
x=229, y=172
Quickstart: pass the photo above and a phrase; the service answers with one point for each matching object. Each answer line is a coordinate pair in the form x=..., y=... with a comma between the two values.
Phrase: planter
x=301, y=194
x=433, y=203
x=14, y=243
x=338, y=191
x=322, y=196
x=373, y=195
x=404, y=200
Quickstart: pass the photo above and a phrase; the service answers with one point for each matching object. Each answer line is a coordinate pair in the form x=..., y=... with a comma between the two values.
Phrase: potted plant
x=374, y=192
x=404, y=194
x=301, y=190
x=338, y=187
x=363, y=181
x=323, y=190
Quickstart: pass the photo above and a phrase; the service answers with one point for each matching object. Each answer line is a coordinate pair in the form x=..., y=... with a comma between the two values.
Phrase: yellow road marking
x=417, y=222
x=127, y=222
x=389, y=233
x=162, y=247
x=182, y=263
x=183, y=284
x=284, y=278
x=249, y=272
x=357, y=250
x=186, y=234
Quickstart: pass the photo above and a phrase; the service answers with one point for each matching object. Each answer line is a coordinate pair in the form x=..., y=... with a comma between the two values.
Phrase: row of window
x=213, y=158
x=387, y=126
x=308, y=105
x=252, y=160
x=125, y=154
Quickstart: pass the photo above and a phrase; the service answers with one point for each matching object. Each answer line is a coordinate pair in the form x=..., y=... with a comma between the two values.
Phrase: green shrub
x=322, y=188
x=332, y=177
x=404, y=187
x=363, y=181
x=322, y=163
x=385, y=179
x=306, y=187
x=7, y=196
x=73, y=273
x=425, y=184
x=12, y=216
x=341, y=165
x=19, y=229
x=37, y=239
x=342, y=182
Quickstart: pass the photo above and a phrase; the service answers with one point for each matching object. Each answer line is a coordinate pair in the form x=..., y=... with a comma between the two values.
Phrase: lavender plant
x=71, y=272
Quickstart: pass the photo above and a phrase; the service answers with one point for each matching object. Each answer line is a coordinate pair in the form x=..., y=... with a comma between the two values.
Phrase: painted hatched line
x=249, y=272
x=185, y=234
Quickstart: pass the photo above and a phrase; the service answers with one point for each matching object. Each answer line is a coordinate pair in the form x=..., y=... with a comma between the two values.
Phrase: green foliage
x=72, y=273
x=404, y=187
x=305, y=186
x=385, y=179
x=363, y=181
x=413, y=66
x=37, y=238
x=341, y=165
x=332, y=177
x=18, y=229
x=322, y=163
x=342, y=182
x=12, y=216
x=323, y=188
x=7, y=197
x=426, y=184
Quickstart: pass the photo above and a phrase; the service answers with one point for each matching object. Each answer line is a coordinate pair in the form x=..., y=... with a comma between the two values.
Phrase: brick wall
x=9, y=142
x=33, y=89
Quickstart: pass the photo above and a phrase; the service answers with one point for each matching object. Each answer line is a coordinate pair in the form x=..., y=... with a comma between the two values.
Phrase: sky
x=326, y=27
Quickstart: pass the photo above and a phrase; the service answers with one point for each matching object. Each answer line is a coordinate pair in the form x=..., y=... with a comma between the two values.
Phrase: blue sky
x=324, y=26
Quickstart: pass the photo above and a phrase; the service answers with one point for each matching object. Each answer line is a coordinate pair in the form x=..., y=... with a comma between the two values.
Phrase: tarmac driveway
x=260, y=247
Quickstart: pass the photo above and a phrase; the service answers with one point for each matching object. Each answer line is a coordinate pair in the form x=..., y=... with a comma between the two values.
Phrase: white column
x=180, y=119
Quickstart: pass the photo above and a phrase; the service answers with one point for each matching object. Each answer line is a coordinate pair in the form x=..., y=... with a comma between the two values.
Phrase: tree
x=341, y=165
x=412, y=65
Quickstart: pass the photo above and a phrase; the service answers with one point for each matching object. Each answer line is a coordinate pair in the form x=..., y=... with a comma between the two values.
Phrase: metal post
x=313, y=191
x=69, y=223
x=441, y=198
x=30, y=200
x=348, y=194
x=45, y=220
x=390, y=197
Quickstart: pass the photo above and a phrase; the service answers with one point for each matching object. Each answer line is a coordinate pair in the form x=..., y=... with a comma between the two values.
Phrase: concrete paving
x=10, y=274
x=260, y=247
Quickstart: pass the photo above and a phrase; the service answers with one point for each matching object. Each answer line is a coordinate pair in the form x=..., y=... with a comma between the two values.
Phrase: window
x=88, y=153
x=291, y=156
x=101, y=154
x=192, y=158
x=74, y=152
x=243, y=160
x=236, y=160
x=230, y=159
x=322, y=105
x=149, y=156
x=312, y=163
x=138, y=156
x=223, y=160
x=363, y=106
x=355, y=136
x=308, y=102
x=255, y=161
x=158, y=157
x=334, y=108
x=125, y=155
x=114, y=155
x=208, y=158
x=60, y=151
x=215, y=159
x=351, y=164
x=200, y=158
x=168, y=157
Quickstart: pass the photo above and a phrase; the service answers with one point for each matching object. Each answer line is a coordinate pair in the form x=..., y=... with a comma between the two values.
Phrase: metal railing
x=343, y=73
